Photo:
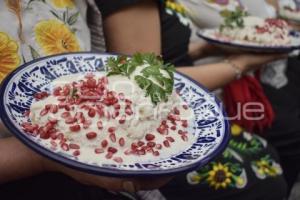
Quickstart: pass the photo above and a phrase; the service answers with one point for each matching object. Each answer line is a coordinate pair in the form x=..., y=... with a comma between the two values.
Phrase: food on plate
x=238, y=26
x=128, y=114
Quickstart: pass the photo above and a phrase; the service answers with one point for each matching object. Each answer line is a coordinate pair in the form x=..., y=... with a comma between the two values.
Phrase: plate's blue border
x=245, y=47
x=101, y=170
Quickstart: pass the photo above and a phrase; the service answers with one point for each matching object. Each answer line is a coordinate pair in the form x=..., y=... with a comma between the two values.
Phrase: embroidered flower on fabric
x=63, y=3
x=55, y=37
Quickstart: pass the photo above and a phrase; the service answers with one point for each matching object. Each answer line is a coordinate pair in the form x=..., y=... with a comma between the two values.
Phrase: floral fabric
x=31, y=29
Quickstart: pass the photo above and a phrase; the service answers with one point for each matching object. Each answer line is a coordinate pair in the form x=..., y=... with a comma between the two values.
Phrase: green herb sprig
x=233, y=19
x=151, y=79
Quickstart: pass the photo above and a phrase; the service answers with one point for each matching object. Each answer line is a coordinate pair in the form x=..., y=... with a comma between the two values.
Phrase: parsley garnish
x=233, y=19
x=152, y=80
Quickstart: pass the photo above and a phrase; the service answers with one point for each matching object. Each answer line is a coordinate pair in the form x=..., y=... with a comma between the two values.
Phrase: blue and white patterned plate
x=210, y=126
x=237, y=46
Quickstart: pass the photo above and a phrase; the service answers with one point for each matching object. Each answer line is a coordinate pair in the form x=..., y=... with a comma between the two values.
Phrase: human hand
x=250, y=62
x=109, y=183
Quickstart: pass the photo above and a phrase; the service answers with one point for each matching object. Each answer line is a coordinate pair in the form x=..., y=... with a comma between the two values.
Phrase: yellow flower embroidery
x=63, y=3
x=55, y=37
x=219, y=176
x=236, y=130
x=9, y=57
x=265, y=168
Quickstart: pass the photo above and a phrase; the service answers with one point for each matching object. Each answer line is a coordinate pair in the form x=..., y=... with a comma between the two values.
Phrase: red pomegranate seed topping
x=91, y=135
x=60, y=136
x=64, y=140
x=173, y=117
x=166, y=143
x=164, y=122
x=184, y=138
x=76, y=153
x=185, y=107
x=128, y=152
x=121, y=142
x=99, y=150
x=54, y=109
x=115, y=114
x=75, y=128
x=112, y=137
x=91, y=83
x=184, y=123
x=156, y=153
x=109, y=155
x=111, y=129
x=158, y=146
x=44, y=135
x=140, y=143
x=162, y=129
x=65, y=147
x=99, y=125
x=170, y=139
x=92, y=112
x=66, y=90
x=128, y=102
x=70, y=120
x=112, y=149
x=56, y=91
x=118, y=159
x=79, y=115
x=87, y=123
x=149, y=137
x=173, y=128
x=151, y=144
x=53, y=136
x=134, y=146
x=128, y=111
x=43, y=112
x=141, y=152
x=121, y=96
x=53, y=121
x=61, y=98
x=176, y=111
x=104, y=143
x=117, y=106
x=74, y=146
x=122, y=119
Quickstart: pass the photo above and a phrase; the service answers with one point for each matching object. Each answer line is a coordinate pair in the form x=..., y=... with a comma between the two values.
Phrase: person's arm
x=17, y=161
x=136, y=28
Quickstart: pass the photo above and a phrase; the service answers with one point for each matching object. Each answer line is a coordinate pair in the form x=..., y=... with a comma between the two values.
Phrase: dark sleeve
x=108, y=7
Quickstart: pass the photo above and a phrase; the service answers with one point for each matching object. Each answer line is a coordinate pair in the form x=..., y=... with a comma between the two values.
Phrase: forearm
x=17, y=161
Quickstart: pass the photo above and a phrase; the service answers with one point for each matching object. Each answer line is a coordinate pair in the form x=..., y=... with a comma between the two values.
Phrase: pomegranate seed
x=61, y=98
x=66, y=90
x=181, y=132
x=99, y=150
x=121, y=142
x=123, y=119
x=60, y=136
x=65, y=147
x=76, y=153
x=43, y=112
x=115, y=114
x=173, y=128
x=128, y=102
x=56, y=91
x=117, y=106
x=79, y=115
x=112, y=137
x=112, y=149
x=65, y=115
x=74, y=146
x=173, y=117
x=134, y=146
x=166, y=143
x=128, y=111
x=91, y=83
x=118, y=159
x=164, y=122
x=156, y=153
x=176, y=111
x=141, y=152
x=184, y=123
x=53, y=136
x=121, y=96
x=128, y=152
x=70, y=120
x=109, y=155
x=54, y=109
x=92, y=112
x=87, y=123
x=53, y=121
x=170, y=139
x=67, y=107
x=45, y=135
x=140, y=143
x=111, y=129
x=184, y=138
x=149, y=137
x=91, y=135
x=151, y=144
x=185, y=107
x=158, y=146
x=75, y=128
x=99, y=125
x=53, y=143
x=162, y=129
x=104, y=143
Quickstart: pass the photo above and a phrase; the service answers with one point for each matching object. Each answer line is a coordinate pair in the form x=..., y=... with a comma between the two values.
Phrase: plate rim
x=84, y=167
x=267, y=49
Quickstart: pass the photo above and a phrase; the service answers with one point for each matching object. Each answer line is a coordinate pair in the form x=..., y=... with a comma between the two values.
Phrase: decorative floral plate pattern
x=210, y=126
